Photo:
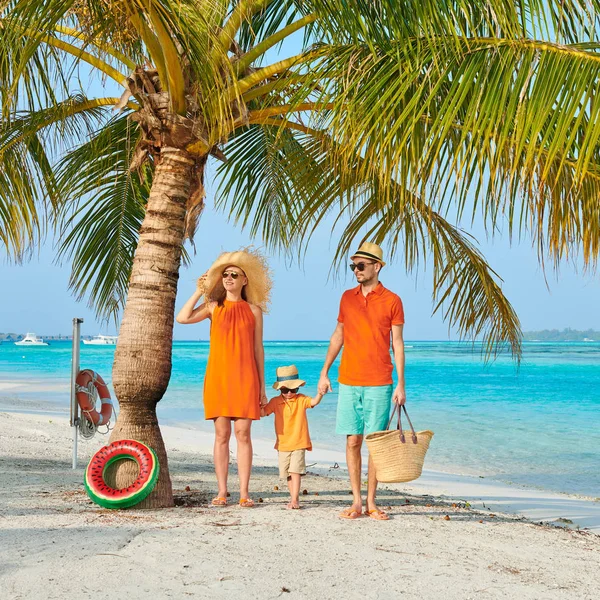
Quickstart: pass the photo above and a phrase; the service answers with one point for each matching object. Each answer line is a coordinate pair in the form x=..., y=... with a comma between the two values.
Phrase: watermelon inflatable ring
x=108, y=497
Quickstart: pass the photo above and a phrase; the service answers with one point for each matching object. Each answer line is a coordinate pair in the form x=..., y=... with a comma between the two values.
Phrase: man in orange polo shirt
x=370, y=316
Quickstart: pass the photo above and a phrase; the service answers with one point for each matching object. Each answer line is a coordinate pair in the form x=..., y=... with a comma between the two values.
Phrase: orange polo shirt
x=368, y=324
x=291, y=424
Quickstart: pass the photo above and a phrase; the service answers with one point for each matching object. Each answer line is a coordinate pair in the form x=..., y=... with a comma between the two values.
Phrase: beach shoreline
x=488, y=420
x=481, y=493
x=56, y=540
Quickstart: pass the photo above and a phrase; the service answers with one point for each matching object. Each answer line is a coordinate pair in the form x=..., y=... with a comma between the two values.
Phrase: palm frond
x=67, y=122
x=27, y=193
x=272, y=19
x=378, y=23
x=501, y=120
x=465, y=289
x=27, y=180
x=103, y=212
x=256, y=178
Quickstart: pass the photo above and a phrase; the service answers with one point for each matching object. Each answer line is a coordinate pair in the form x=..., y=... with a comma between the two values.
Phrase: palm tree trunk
x=142, y=365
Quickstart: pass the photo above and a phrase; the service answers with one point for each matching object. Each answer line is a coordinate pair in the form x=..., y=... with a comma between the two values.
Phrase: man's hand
x=399, y=396
x=324, y=385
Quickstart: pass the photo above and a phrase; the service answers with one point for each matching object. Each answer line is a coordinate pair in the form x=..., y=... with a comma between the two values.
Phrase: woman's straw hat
x=288, y=377
x=370, y=250
x=254, y=265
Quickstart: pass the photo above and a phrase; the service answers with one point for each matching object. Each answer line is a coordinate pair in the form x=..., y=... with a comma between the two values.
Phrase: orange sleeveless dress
x=231, y=384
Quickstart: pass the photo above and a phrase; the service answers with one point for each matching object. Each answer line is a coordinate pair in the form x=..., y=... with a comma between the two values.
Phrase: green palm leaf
x=104, y=208
x=414, y=111
x=27, y=192
x=273, y=165
x=262, y=178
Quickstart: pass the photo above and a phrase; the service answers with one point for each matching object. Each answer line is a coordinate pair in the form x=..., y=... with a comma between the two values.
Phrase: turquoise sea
x=537, y=426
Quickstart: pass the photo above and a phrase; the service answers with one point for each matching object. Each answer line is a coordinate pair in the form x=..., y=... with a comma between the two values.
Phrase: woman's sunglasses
x=360, y=266
x=285, y=390
x=231, y=274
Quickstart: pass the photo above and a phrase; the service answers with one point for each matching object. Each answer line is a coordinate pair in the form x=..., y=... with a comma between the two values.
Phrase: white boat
x=101, y=340
x=31, y=339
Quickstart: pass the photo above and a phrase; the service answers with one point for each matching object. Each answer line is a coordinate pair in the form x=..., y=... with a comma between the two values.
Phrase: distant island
x=566, y=335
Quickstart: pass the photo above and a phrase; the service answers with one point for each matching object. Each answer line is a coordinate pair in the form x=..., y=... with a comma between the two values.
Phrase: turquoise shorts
x=363, y=409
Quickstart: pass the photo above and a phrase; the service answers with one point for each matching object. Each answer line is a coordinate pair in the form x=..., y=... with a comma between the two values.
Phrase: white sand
x=54, y=543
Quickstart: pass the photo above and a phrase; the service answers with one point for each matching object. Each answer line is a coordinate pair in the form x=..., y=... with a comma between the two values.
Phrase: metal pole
x=74, y=370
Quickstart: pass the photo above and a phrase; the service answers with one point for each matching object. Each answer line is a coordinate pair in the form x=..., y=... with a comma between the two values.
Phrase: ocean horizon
x=534, y=426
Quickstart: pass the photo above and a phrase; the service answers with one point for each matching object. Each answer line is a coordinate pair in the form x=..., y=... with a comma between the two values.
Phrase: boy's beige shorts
x=293, y=461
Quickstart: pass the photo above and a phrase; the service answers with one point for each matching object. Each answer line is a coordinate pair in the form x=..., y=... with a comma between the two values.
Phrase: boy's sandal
x=219, y=501
x=350, y=513
x=246, y=502
x=378, y=515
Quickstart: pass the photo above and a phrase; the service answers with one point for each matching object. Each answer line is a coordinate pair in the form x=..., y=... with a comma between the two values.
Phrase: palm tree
x=392, y=114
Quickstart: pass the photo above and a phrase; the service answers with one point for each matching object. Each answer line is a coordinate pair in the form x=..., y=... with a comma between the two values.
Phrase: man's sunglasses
x=285, y=390
x=360, y=266
x=231, y=274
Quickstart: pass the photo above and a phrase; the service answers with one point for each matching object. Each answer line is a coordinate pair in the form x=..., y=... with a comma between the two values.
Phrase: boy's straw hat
x=288, y=377
x=254, y=265
x=370, y=250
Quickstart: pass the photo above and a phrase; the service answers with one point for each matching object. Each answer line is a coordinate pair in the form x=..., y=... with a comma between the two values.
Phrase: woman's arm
x=259, y=351
x=188, y=314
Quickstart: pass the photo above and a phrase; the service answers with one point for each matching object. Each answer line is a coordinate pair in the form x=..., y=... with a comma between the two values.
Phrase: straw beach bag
x=398, y=455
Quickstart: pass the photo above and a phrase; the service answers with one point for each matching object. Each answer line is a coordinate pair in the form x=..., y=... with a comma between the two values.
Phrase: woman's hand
x=201, y=281
x=263, y=399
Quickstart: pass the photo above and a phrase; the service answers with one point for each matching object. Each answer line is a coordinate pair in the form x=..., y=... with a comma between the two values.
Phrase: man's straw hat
x=370, y=250
x=256, y=268
x=288, y=377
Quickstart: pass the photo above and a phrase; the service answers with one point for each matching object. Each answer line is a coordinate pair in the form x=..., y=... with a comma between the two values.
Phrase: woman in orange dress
x=236, y=290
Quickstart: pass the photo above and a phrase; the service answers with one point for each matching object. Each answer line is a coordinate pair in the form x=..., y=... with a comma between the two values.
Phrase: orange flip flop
x=378, y=515
x=219, y=501
x=246, y=502
x=350, y=513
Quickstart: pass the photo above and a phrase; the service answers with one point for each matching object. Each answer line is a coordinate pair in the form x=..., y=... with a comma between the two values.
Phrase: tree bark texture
x=142, y=364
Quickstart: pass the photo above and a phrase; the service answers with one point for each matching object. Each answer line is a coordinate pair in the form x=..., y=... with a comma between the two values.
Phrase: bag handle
x=399, y=408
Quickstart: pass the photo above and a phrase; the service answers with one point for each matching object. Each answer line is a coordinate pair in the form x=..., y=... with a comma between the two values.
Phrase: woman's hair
x=219, y=293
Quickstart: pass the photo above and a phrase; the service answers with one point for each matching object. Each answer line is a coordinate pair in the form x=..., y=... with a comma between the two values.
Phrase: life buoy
x=84, y=382
x=101, y=493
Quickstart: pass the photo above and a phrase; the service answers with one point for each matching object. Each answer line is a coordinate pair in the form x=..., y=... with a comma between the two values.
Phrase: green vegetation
x=566, y=335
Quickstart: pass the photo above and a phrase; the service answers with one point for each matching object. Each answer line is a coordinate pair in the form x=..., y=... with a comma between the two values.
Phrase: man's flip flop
x=350, y=513
x=246, y=502
x=219, y=501
x=378, y=515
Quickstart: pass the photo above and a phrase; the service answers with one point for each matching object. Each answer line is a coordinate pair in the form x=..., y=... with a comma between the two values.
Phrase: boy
x=291, y=428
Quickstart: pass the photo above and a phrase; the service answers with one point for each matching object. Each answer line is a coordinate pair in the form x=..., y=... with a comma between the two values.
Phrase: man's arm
x=335, y=345
x=398, y=348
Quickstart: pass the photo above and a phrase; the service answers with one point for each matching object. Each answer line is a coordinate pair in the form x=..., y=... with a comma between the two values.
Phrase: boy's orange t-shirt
x=291, y=424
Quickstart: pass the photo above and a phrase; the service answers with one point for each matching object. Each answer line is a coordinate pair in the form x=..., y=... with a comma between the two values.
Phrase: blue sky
x=35, y=296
